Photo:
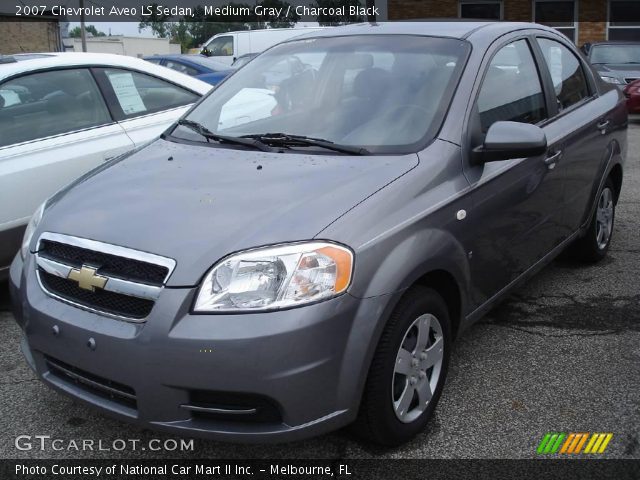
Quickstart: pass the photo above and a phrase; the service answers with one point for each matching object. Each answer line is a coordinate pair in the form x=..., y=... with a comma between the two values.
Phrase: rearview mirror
x=508, y=140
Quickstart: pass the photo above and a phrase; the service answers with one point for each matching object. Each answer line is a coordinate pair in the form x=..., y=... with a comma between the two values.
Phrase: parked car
x=616, y=62
x=632, y=92
x=203, y=68
x=229, y=46
x=63, y=114
x=290, y=274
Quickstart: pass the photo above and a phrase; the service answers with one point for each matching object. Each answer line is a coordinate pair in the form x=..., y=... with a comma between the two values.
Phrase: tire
x=383, y=417
x=593, y=246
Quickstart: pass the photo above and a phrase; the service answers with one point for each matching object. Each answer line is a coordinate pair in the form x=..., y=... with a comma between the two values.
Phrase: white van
x=226, y=47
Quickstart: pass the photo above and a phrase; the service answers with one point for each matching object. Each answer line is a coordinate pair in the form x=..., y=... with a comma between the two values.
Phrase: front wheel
x=408, y=370
x=594, y=245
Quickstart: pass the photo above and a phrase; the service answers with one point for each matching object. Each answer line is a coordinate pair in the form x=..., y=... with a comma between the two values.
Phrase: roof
x=438, y=28
x=73, y=59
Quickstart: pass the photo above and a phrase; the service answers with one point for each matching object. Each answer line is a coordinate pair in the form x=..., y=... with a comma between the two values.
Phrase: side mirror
x=508, y=140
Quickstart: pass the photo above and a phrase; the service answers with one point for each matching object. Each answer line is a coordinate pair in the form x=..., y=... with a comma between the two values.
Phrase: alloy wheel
x=604, y=218
x=417, y=368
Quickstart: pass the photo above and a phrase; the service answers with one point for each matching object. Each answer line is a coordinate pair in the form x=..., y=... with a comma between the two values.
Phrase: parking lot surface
x=562, y=354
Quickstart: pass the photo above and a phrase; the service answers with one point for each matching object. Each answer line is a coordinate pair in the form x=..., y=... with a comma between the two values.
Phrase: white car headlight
x=31, y=228
x=278, y=277
x=613, y=80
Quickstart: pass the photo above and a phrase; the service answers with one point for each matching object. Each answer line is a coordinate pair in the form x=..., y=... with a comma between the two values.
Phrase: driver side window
x=511, y=89
x=221, y=46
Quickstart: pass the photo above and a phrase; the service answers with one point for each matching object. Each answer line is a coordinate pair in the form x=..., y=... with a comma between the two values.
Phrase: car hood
x=197, y=204
x=622, y=70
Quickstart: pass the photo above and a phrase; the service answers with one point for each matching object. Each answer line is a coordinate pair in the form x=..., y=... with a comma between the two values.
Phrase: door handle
x=551, y=160
x=602, y=126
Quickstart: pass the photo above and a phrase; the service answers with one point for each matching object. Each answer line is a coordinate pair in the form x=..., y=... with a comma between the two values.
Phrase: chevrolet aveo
x=301, y=249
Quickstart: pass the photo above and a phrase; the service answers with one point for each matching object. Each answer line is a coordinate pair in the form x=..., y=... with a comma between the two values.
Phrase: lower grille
x=105, y=301
x=114, y=391
x=235, y=407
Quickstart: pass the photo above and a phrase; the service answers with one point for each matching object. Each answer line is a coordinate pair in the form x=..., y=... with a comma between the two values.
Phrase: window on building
x=481, y=9
x=566, y=73
x=624, y=20
x=559, y=14
x=511, y=89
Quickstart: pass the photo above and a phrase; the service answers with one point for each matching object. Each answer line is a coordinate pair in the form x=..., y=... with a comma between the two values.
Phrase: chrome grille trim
x=110, y=249
x=114, y=284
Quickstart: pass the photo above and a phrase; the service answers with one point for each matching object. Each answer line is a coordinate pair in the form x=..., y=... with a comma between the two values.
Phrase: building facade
x=583, y=21
x=35, y=34
x=122, y=45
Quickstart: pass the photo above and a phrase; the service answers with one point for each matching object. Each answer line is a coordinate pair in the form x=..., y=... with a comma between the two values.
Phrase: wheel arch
x=616, y=177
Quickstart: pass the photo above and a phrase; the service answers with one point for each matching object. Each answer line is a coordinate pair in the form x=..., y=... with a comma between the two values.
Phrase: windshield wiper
x=286, y=139
x=209, y=135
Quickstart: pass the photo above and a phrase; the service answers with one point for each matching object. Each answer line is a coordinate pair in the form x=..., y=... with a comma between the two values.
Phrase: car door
x=144, y=105
x=517, y=204
x=582, y=122
x=55, y=128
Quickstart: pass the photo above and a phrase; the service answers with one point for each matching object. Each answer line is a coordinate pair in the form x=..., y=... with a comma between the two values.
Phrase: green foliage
x=75, y=32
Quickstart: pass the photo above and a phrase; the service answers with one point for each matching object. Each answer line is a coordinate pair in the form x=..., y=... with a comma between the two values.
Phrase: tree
x=280, y=22
x=75, y=32
x=336, y=20
x=158, y=24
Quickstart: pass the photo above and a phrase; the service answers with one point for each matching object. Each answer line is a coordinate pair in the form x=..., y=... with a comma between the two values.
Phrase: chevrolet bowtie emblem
x=87, y=278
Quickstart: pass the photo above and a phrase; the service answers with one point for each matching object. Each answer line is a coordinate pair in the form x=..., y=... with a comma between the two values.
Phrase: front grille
x=102, y=300
x=102, y=387
x=110, y=265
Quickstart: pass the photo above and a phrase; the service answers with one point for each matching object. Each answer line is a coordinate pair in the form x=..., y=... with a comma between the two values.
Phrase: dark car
x=616, y=62
x=199, y=66
x=285, y=261
x=632, y=92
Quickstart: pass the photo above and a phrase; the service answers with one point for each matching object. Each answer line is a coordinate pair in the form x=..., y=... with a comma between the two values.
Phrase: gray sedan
x=288, y=260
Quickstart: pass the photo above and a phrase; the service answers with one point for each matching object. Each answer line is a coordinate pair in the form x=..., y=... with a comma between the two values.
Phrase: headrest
x=371, y=83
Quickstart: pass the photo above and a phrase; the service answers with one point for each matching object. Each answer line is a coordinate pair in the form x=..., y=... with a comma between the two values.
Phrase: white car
x=62, y=114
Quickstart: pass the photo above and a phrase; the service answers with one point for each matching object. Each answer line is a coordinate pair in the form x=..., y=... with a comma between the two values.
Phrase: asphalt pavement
x=562, y=354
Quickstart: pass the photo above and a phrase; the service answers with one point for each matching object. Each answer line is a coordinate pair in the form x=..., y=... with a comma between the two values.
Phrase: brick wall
x=592, y=13
x=405, y=9
x=28, y=36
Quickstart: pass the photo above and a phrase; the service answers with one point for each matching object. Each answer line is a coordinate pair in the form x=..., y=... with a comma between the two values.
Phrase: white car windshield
x=385, y=93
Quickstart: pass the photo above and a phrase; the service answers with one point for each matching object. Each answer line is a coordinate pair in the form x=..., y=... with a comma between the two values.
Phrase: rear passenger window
x=49, y=103
x=511, y=89
x=566, y=72
x=139, y=94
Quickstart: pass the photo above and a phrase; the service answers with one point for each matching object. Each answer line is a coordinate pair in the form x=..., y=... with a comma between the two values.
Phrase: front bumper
x=302, y=370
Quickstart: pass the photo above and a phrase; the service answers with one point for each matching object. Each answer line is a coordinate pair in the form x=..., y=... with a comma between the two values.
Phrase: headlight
x=611, y=80
x=276, y=277
x=31, y=227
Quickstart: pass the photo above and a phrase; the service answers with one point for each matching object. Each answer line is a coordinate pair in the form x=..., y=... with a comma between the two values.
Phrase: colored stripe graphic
x=573, y=443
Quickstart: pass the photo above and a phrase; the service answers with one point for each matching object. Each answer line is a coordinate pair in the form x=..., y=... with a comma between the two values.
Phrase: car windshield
x=383, y=93
x=621, y=54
